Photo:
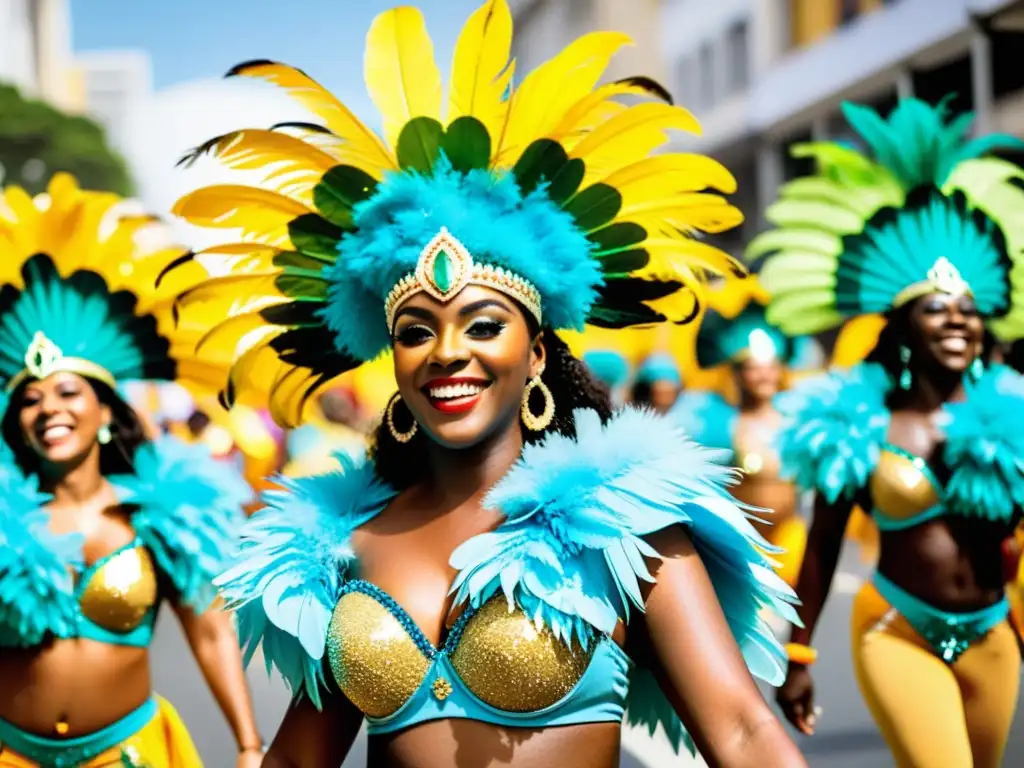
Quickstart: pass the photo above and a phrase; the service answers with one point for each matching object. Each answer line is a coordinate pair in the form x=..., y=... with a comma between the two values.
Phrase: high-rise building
x=115, y=86
x=763, y=74
x=35, y=48
x=544, y=27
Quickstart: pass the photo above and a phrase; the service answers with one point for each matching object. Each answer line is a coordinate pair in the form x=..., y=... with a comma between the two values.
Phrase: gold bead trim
x=464, y=272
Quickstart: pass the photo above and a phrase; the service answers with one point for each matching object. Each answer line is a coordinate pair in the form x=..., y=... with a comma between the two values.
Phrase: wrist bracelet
x=799, y=653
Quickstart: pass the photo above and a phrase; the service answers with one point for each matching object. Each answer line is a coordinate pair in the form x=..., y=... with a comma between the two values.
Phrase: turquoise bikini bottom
x=949, y=634
x=67, y=753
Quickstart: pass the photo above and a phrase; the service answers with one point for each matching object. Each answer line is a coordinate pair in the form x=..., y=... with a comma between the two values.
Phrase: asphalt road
x=847, y=737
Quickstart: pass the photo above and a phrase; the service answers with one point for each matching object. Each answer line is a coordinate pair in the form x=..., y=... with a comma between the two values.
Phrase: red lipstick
x=463, y=393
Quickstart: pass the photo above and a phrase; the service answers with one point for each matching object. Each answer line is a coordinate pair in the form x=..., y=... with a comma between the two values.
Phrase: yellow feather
x=287, y=165
x=401, y=75
x=262, y=215
x=337, y=117
x=631, y=136
x=552, y=89
x=667, y=174
x=594, y=108
x=481, y=69
x=688, y=212
x=220, y=298
x=685, y=253
x=237, y=258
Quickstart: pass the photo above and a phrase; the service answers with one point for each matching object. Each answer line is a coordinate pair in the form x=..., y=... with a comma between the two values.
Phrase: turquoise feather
x=833, y=429
x=920, y=143
x=294, y=558
x=37, y=598
x=985, y=447
x=81, y=316
x=189, y=512
x=707, y=418
x=571, y=551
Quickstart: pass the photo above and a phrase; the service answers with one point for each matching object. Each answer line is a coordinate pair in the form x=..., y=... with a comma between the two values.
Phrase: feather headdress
x=79, y=292
x=543, y=187
x=922, y=210
x=741, y=331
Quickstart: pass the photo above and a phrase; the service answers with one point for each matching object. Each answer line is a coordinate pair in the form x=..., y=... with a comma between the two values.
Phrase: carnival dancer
x=98, y=524
x=657, y=383
x=479, y=580
x=926, y=230
x=611, y=368
x=758, y=355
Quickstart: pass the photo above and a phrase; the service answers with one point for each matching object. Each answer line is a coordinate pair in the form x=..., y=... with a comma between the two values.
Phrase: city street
x=846, y=739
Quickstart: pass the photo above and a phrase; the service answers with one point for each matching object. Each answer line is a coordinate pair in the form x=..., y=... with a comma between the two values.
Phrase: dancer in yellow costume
x=99, y=524
x=758, y=356
x=466, y=590
x=926, y=230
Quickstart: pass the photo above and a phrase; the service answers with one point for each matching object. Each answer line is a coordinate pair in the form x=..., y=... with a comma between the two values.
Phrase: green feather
x=809, y=213
x=621, y=263
x=814, y=240
x=419, y=144
x=340, y=188
x=617, y=237
x=542, y=161
x=315, y=237
x=595, y=206
x=467, y=144
x=565, y=183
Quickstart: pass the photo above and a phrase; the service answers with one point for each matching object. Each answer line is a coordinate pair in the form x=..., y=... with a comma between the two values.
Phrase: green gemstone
x=443, y=271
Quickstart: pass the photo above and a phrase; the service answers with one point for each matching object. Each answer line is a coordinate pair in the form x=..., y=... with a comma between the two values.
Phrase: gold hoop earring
x=389, y=418
x=543, y=421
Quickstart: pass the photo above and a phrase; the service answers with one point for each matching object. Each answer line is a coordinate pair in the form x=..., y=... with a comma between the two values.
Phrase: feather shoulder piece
x=571, y=552
x=37, y=597
x=833, y=429
x=294, y=558
x=985, y=447
x=706, y=417
x=189, y=513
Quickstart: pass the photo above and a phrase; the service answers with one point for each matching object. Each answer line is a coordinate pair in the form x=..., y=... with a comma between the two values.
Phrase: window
x=848, y=10
x=706, y=73
x=685, y=92
x=737, y=43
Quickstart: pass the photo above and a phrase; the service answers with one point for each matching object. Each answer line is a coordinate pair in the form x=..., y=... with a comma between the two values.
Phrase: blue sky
x=192, y=39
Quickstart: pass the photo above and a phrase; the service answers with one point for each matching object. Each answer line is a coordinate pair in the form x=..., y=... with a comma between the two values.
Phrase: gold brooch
x=442, y=689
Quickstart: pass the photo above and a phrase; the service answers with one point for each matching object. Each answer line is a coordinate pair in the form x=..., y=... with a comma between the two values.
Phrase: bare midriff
x=69, y=688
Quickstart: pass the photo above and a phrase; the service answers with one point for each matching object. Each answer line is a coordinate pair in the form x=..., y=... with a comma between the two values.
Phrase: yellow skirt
x=163, y=742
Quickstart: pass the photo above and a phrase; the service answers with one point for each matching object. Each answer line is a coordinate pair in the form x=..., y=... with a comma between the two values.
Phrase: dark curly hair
x=116, y=457
x=402, y=464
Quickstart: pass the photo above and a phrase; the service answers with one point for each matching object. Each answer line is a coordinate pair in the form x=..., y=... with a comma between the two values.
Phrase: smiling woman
x=473, y=588
x=925, y=229
x=99, y=522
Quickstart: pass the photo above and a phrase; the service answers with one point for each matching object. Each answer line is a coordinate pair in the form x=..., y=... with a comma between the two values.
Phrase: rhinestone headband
x=445, y=267
x=943, y=277
x=43, y=358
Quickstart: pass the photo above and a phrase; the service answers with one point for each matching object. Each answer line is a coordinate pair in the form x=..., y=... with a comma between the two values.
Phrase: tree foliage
x=37, y=140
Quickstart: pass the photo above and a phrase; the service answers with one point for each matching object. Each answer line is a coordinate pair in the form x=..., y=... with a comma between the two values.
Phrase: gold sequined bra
x=495, y=666
x=117, y=597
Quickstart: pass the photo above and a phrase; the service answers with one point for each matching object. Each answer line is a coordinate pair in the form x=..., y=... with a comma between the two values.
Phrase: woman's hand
x=251, y=757
x=796, y=699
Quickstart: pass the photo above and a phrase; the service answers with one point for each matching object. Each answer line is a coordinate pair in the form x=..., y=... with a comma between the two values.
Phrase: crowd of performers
x=401, y=434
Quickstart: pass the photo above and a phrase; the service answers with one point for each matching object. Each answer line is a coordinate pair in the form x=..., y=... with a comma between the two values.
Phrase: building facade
x=35, y=49
x=115, y=86
x=764, y=74
x=544, y=27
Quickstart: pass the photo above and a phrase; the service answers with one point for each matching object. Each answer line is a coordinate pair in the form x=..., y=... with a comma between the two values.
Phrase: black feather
x=185, y=258
x=653, y=87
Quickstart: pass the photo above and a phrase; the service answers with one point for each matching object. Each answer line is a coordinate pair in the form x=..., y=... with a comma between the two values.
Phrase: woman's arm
x=215, y=647
x=824, y=543
x=311, y=738
x=701, y=668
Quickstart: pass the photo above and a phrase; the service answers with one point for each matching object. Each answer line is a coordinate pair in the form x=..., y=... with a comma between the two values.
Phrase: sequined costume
x=79, y=294
x=544, y=190
x=923, y=211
